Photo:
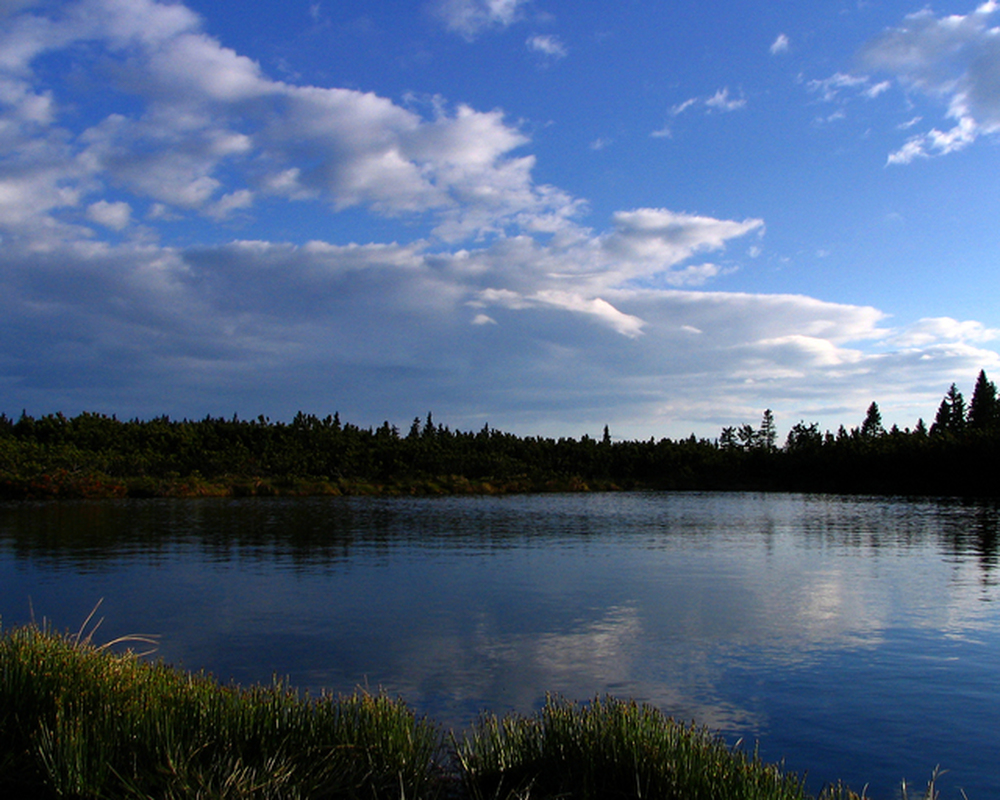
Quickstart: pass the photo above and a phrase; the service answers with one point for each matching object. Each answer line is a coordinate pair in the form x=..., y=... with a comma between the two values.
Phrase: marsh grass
x=81, y=721
x=611, y=749
x=86, y=721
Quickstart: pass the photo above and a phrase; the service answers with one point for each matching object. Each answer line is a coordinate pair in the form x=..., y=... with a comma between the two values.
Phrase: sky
x=540, y=215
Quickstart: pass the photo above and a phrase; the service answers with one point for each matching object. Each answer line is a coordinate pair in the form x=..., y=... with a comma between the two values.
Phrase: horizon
x=539, y=216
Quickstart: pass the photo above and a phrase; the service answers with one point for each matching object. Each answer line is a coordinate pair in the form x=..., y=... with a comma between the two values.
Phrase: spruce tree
x=950, y=416
x=984, y=412
x=872, y=426
x=768, y=435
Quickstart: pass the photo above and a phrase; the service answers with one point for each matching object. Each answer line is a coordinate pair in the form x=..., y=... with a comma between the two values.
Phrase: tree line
x=95, y=455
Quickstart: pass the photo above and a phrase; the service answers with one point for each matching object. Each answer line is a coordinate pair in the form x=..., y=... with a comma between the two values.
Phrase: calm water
x=855, y=638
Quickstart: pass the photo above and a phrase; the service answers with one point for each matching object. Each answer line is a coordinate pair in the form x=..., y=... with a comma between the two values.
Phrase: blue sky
x=543, y=215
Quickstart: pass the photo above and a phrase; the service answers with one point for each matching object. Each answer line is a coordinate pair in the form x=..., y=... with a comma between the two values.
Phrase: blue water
x=853, y=638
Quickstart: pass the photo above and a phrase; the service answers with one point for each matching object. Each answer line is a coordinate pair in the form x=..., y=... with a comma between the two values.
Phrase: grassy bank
x=65, y=485
x=77, y=720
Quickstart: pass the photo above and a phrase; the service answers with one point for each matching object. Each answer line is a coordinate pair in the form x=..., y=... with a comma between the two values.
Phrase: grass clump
x=80, y=721
x=611, y=749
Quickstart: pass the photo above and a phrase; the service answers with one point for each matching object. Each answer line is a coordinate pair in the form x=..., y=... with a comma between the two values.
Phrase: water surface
x=856, y=638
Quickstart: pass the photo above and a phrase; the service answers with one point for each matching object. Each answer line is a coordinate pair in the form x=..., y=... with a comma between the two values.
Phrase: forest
x=95, y=455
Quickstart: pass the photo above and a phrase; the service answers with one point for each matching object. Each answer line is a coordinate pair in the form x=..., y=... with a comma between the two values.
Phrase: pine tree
x=727, y=439
x=950, y=416
x=768, y=435
x=804, y=437
x=984, y=410
x=747, y=437
x=872, y=426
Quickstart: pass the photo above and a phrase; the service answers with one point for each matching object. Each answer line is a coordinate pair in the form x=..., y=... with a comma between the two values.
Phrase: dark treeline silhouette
x=94, y=455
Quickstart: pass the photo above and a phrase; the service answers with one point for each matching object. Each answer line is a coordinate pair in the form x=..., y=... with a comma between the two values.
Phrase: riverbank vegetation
x=82, y=721
x=94, y=455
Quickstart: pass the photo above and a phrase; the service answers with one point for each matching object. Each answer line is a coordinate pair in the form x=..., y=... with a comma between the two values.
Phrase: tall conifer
x=984, y=412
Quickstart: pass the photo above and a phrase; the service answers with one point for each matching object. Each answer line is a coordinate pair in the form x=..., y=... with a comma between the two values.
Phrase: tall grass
x=81, y=721
x=612, y=749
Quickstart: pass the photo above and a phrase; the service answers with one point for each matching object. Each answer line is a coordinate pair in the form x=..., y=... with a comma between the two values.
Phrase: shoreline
x=82, y=720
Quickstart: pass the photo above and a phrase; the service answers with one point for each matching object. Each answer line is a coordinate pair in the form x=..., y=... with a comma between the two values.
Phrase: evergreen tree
x=727, y=439
x=804, y=437
x=950, y=416
x=984, y=411
x=747, y=437
x=768, y=435
x=872, y=426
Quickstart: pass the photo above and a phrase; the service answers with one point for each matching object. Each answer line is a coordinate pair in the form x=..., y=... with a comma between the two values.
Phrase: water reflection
x=828, y=627
x=316, y=531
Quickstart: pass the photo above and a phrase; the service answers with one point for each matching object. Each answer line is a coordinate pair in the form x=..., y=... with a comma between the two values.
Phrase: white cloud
x=469, y=18
x=549, y=46
x=693, y=275
x=650, y=241
x=111, y=215
x=510, y=305
x=680, y=108
x=953, y=59
x=595, y=307
x=944, y=329
x=191, y=330
x=830, y=88
x=874, y=91
x=936, y=142
x=227, y=204
x=780, y=45
x=213, y=129
x=720, y=101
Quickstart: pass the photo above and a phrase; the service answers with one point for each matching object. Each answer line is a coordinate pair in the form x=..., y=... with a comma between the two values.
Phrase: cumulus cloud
x=953, y=59
x=944, y=330
x=780, y=45
x=547, y=329
x=652, y=240
x=503, y=301
x=209, y=111
x=227, y=204
x=111, y=215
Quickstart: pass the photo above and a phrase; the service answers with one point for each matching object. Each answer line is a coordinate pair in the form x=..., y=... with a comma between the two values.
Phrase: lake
x=853, y=637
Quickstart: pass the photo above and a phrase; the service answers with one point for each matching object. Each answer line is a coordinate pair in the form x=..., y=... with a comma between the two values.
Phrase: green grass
x=82, y=721
x=612, y=749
